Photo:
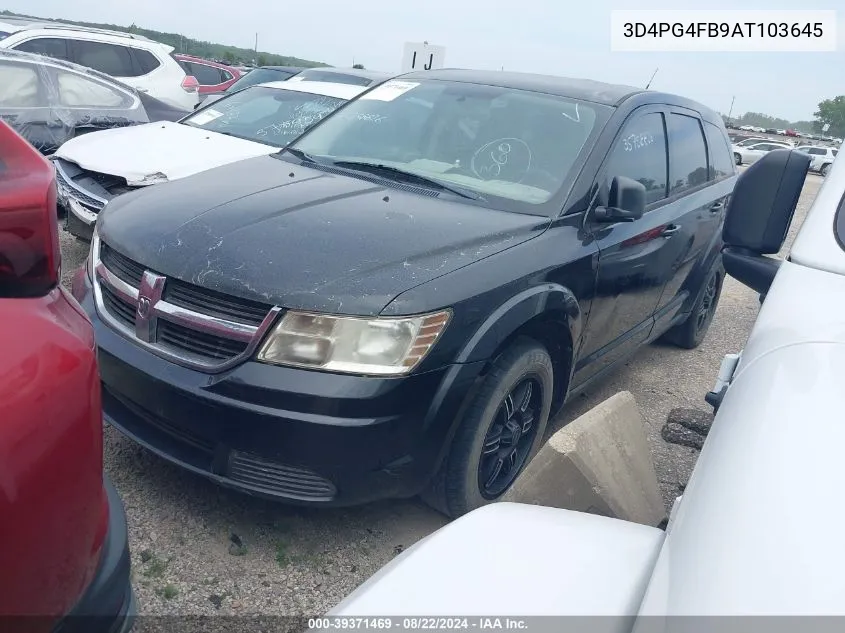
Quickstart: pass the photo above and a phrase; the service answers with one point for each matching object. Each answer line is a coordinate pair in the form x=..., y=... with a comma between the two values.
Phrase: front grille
x=118, y=308
x=275, y=478
x=198, y=343
x=215, y=303
x=210, y=329
x=123, y=267
x=72, y=190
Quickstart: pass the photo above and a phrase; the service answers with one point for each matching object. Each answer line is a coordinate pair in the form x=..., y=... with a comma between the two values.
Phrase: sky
x=559, y=37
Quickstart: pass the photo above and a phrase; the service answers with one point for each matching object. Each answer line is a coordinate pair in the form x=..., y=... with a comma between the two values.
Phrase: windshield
x=258, y=76
x=514, y=145
x=272, y=116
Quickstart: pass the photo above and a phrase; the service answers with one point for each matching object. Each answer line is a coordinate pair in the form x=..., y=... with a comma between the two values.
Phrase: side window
x=47, y=46
x=227, y=76
x=19, y=86
x=817, y=151
x=687, y=153
x=640, y=154
x=206, y=75
x=835, y=152
x=721, y=160
x=145, y=61
x=78, y=91
x=107, y=58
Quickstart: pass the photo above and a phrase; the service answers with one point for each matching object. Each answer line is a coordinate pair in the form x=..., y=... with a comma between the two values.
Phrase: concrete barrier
x=599, y=463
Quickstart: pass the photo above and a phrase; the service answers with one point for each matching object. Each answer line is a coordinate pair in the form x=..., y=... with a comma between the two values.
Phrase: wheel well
x=551, y=330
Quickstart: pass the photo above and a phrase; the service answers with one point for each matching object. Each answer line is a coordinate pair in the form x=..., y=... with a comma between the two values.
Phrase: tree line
x=830, y=111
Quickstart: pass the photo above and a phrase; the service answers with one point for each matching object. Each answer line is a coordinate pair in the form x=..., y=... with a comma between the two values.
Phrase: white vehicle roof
x=13, y=25
x=324, y=88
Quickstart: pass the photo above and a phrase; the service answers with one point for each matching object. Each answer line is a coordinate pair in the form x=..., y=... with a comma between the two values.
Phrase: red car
x=64, y=555
x=212, y=77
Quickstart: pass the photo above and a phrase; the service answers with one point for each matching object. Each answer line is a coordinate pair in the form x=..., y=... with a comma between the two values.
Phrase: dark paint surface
x=276, y=231
x=269, y=230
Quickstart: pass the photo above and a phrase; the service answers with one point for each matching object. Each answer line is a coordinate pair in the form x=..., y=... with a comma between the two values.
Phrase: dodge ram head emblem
x=149, y=294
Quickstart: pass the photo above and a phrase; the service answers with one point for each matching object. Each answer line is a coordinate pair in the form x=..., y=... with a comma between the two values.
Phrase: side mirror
x=625, y=201
x=759, y=214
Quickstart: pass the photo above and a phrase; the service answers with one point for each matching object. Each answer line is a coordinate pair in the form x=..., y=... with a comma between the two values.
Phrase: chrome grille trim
x=233, y=331
x=93, y=202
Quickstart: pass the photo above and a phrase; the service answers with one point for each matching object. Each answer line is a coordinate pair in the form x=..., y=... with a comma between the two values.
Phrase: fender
x=471, y=362
x=696, y=278
x=516, y=312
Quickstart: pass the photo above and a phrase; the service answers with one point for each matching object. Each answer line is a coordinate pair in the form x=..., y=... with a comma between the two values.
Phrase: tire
x=690, y=334
x=737, y=159
x=825, y=168
x=460, y=486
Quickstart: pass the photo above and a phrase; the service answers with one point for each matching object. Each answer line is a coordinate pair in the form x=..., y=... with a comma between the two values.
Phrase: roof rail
x=86, y=29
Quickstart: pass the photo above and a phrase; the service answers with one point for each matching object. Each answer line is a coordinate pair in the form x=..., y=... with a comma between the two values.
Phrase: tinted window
x=145, y=61
x=835, y=152
x=107, y=58
x=78, y=91
x=640, y=154
x=49, y=46
x=687, y=153
x=226, y=75
x=206, y=75
x=721, y=160
x=818, y=151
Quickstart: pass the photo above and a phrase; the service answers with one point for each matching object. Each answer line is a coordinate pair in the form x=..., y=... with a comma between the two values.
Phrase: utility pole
x=256, y=45
x=652, y=78
x=732, y=108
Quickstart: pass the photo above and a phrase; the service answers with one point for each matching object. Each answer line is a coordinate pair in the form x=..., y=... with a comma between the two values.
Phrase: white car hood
x=172, y=149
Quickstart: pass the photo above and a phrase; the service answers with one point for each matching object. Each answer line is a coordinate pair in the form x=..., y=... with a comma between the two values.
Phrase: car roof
x=324, y=88
x=352, y=72
x=581, y=89
x=12, y=54
x=15, y=24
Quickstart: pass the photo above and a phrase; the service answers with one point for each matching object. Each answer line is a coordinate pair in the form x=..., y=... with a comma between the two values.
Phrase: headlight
x=354, y=345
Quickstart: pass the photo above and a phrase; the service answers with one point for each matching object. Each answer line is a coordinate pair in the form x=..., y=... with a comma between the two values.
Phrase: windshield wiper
x=407, y=176
x=298, y=153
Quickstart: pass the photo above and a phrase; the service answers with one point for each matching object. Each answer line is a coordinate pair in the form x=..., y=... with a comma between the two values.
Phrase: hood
x=268, y=230
x=172, y=149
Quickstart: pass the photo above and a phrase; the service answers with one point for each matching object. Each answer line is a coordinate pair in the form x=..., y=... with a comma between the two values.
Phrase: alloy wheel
x=708, y=303
x=510, y=437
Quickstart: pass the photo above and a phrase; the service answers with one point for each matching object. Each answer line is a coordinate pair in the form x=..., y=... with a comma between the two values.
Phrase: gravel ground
x=198, y=549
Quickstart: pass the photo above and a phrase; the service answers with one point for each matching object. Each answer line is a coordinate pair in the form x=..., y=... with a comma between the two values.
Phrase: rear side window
x=145, y=61
x=19, y=86
x=818, y=151
x=206, y=75
x=110, y=59
x=640, y=154
x=687, y=153
x=721, y=160
x=47, y=46
x=78, y=91
x=835, y=152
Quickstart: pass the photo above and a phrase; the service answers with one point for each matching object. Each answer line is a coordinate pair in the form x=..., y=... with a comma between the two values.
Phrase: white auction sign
x=422, y=56
x=825, y=127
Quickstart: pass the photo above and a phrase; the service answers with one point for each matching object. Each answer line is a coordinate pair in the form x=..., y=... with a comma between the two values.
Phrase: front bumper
x=291, y=434
x=79, y=221
x=108, y=605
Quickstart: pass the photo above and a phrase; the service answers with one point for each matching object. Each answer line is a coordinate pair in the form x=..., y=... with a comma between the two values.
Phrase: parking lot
x=199, y=549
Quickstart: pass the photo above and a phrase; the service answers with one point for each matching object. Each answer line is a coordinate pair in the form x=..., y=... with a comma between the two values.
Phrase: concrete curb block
x=599, y=463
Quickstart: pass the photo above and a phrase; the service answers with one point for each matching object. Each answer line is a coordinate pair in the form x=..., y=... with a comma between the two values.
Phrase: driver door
x=632, y=270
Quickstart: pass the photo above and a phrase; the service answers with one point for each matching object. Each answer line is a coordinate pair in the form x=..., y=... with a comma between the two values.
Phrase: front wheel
x=738, y=159
x=502, y=430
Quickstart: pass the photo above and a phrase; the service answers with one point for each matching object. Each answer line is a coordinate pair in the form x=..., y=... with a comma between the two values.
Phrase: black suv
x=397, y=302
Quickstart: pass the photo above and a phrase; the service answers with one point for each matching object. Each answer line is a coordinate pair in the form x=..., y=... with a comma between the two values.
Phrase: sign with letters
x=422, y=56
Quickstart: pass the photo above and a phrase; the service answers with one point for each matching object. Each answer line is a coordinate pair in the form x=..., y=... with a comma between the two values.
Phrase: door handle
x=717, y=206
x=670, y=230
